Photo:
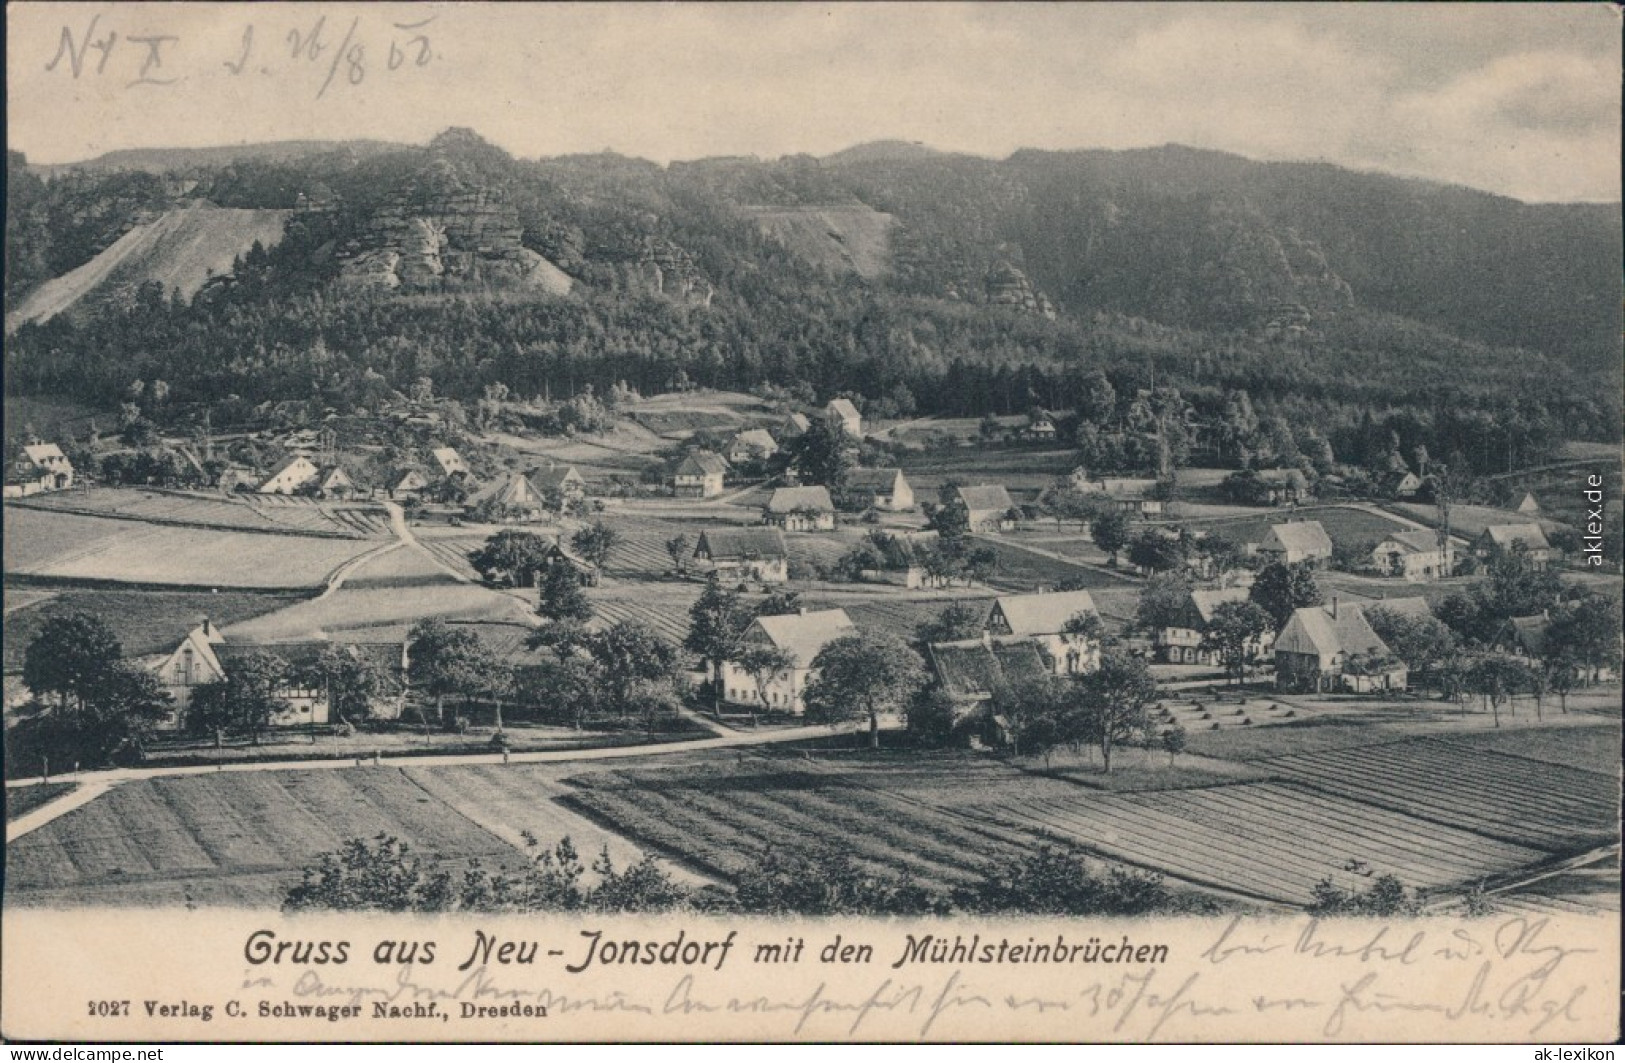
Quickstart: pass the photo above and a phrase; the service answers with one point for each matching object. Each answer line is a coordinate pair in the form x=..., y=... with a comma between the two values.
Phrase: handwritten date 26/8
x=339, y=53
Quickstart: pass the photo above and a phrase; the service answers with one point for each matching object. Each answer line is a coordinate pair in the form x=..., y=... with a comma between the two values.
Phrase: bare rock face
x=663, y=268
x=455, y=239
x=1008, y=286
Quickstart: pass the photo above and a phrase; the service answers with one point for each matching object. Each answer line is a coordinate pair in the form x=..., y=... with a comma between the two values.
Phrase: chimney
x=1334, y=607
x=208, y=629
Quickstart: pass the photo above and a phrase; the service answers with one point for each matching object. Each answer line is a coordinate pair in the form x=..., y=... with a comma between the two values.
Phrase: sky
x=1518, y=99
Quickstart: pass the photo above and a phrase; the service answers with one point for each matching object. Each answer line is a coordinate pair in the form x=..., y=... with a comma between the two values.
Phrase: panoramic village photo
x=886, y=511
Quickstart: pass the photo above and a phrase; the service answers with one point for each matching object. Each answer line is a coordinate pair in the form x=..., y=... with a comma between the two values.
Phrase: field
x=719, y=821
x=1469, y=521
x=1345, y=525
x=1024, y=471
x=1272, y=841
x=1024, y=570
x=237, y=838
x=1587, y=748
x=143, y=621
x=68, y=546
x=302, y=516
x=1494, y=795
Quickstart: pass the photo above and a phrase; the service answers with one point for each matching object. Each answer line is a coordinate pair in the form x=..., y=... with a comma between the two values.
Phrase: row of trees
x=385, y=874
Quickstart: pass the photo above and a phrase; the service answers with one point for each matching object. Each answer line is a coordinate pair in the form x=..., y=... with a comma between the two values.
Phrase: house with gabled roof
x=753, y=444
x=1399, y=483
x=1044, y=618
x=1414, y=556
x=800, y=509
x=1524, y=636
x=1503, y=538
x=1135, y=497
x=801, y=635
x=1302, y=540
x=1181, y=641
x=333, y=482
x=972, y=669
x=559, y=554
x=1527, y=505
x=39, y=467
x=1332, y=648
x=883, y=489
x=794, y=424
x=843, y=413
x=564, y=479
x=450, y=462
x=755, y=555
x=699, y=475
x=512, y=498
x=205, y=655
x=987, y=506
x=290, y=476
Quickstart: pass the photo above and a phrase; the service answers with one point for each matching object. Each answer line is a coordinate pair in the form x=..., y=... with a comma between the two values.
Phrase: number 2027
x=109, y=1009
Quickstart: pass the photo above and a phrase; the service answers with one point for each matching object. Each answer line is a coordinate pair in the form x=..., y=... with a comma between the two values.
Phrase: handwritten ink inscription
x=336, y=54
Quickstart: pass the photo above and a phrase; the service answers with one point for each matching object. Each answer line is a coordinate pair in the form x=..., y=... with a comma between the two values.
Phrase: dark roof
x=973, y=668
x=873, y=479
x=740, y=544
x=702, y=463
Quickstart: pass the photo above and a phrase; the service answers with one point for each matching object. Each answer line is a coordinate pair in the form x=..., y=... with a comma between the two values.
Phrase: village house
x=564, y=479
x=1181, y=641
x=511, y=498
x=1524, y=636
x=1040, y=427
x=1528, y=506
x=409, y=485
x=1414, y=556
x=1502, y=538
x=843, y=413
x=290, y=476
x=1282, y=487
x=333, y=482
x=39, y=467
x=800, y=509
x=752, y=445
x=699, y=475
x=450, y=462
x=559, y=554
x=801, y=635
x=1043, y=618
x=903, y=567
x=234, y=478
x=1303, y=540
x=972, y=669
x=1329, y=648
x=987, y=507
x=205, y=656
x=1400, y=483
x=753, y=555
x=794, y=425
x=883, y=489
x=1133, y=497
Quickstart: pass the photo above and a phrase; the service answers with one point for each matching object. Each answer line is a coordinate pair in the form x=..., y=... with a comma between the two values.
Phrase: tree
x=1386, y=896
x=349, y=681
x=1588, y=633
x=1110, y=703
x=765, y=663
x=1280, y=589
x=1422, y=642
x=247, y=699
x=957, y=622
x=716, y=625
x=679, y=548
x=594, y=542
x=631, y=661
x=862, y=676
x=1162, y=603
x=1174, y=740
x=1062, y=881
x=1155, y=550
x=443, y=660
x=514, y=554
x=1035, y=714
x=71, y=659
x=933, y=716
x=825, y=880
x=561, y=597
x=1495, y=677
x=822, y=454
x=1110, y=532
x=1233, y=633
